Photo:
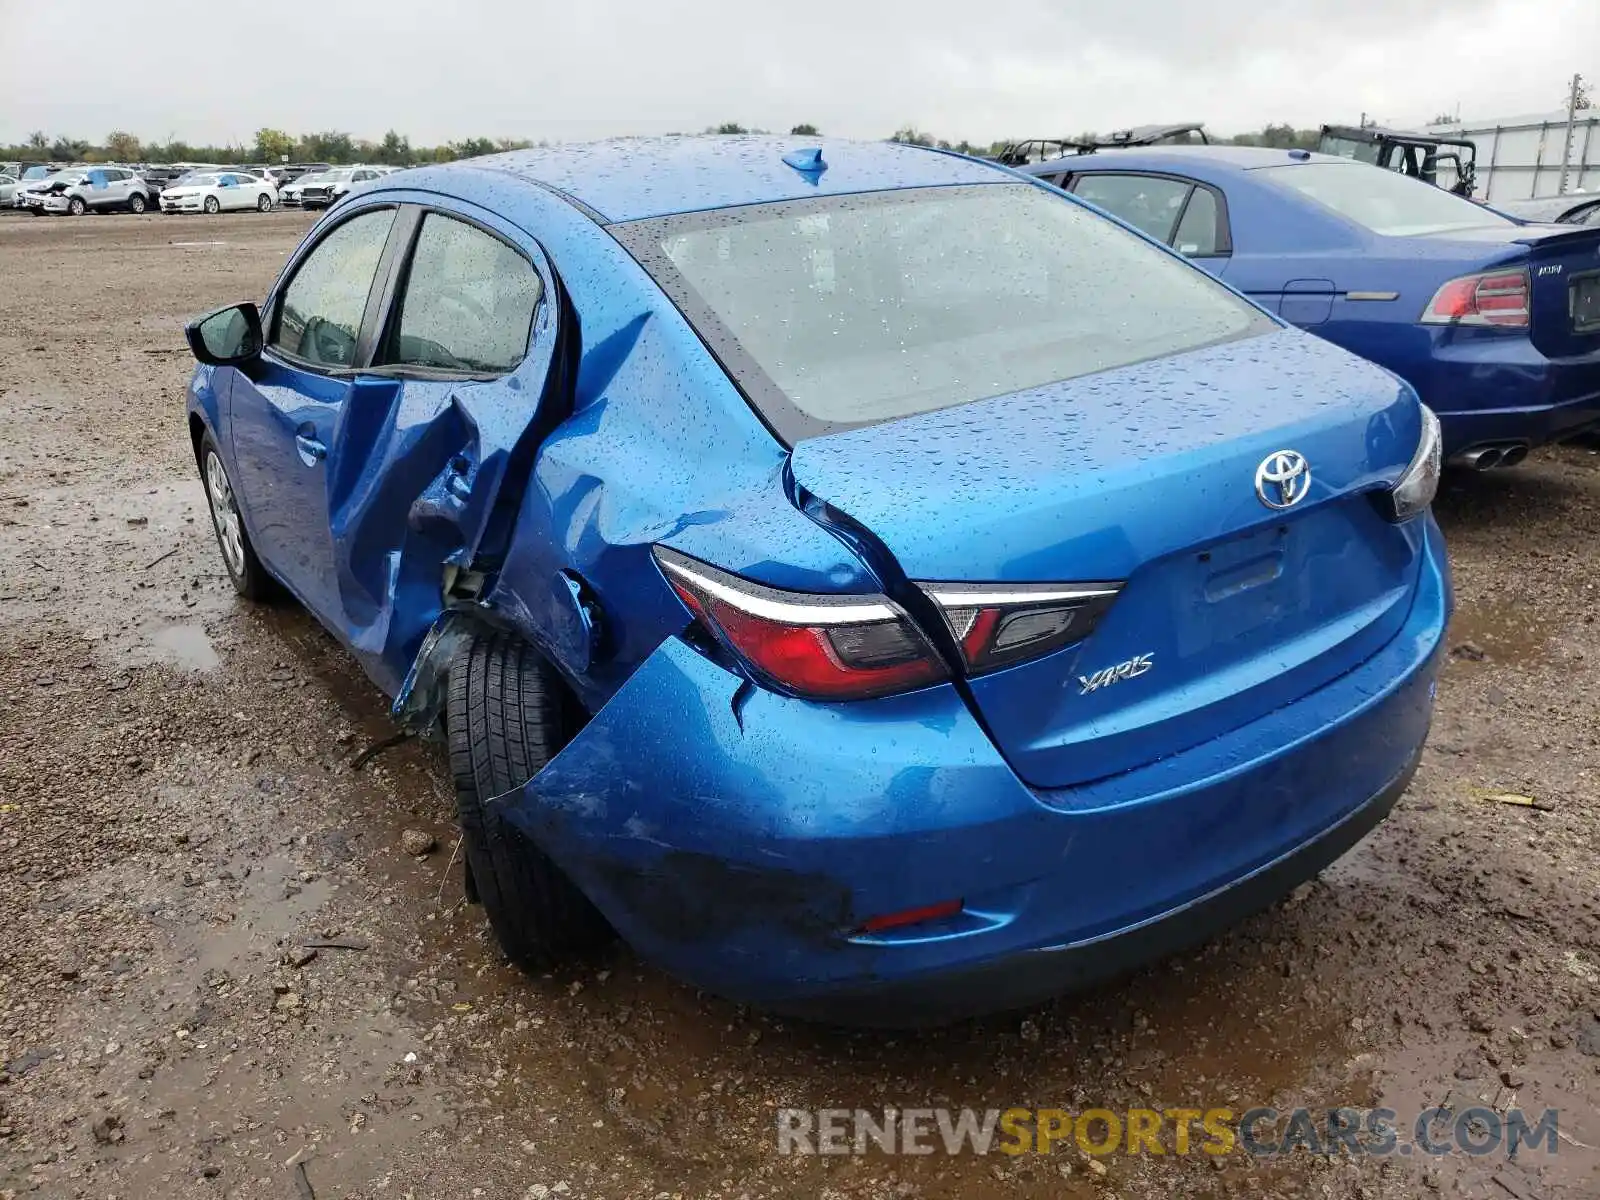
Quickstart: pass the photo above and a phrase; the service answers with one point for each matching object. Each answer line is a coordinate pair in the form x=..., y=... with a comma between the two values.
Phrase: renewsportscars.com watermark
x=1263, y=1132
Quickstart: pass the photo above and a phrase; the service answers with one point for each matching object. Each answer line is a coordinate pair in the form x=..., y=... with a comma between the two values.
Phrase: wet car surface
x=180, y=815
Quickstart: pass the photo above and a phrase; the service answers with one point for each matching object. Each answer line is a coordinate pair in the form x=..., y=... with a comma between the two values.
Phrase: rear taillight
x=996, y=626
x=1417, y=485
x=1495, y=298
x=822, y=647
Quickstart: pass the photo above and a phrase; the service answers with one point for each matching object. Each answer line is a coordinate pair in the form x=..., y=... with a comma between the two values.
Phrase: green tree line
x=269, y=146
x=395, y=149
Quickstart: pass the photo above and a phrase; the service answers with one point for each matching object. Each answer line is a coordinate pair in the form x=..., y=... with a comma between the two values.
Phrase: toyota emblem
x=1283, y=479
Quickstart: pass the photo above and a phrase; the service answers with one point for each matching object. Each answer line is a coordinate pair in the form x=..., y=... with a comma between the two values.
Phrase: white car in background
x=214, y=192
x=326, y=189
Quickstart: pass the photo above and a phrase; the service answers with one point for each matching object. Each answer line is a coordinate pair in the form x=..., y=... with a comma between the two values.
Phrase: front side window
x=319, y=317
x=468, y=302
x=1385, y=202
x=849, y=310
x=1146, y=202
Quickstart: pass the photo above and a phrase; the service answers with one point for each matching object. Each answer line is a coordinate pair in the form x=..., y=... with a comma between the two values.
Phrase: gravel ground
x=179, y=815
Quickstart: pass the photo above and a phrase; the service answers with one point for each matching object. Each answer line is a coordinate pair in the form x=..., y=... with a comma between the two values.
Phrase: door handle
x=311, y=450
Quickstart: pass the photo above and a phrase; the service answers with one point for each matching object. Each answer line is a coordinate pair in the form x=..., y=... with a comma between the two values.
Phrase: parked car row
x=45, y=189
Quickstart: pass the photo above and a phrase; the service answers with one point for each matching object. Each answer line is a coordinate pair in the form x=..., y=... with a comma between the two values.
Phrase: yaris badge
x=1106, y=676
x=1283, y=479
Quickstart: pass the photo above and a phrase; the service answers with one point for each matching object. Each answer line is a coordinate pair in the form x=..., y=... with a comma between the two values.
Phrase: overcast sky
x=216, y=70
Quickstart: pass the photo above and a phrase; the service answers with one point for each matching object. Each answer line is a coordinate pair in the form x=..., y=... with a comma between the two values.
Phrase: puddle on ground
x=185, y=646
x=1500, y=631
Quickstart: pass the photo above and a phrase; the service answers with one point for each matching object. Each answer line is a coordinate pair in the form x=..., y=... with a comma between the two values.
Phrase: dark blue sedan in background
x=1496, y=323
x=875, y=585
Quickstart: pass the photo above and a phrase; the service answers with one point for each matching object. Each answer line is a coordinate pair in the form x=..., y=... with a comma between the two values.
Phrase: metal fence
x=1521, y=157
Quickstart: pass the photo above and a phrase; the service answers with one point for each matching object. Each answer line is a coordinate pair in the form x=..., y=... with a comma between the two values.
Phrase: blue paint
x=823, y=815
x=1303, y=261
x=740, y=836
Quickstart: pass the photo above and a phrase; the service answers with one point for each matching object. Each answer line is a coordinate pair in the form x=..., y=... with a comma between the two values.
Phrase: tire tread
x=507, y=716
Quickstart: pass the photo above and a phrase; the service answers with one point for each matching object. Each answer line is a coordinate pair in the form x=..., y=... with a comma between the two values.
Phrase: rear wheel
x=264, y=203
x=212, y=205
x=136, y=203
x=507, y=714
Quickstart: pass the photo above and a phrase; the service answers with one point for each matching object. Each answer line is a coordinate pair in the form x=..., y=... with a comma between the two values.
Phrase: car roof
x=627, y=179
x=1155, y=158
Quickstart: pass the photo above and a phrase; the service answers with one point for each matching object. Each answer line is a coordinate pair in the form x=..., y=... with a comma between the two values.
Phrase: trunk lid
x=1563, y=264
x=1146, y=475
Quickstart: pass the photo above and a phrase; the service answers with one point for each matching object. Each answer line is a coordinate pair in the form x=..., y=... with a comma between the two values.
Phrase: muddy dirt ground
x=179, y=814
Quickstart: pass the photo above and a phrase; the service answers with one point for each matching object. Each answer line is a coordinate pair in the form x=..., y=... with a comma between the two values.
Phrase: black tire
x=507, y=714
x=137, y=203
x=250, y=578
x=212, y=206
x=76, y=207
x=264, y=203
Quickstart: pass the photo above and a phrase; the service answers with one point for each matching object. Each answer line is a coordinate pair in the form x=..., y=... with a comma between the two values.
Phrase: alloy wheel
x=225, y=513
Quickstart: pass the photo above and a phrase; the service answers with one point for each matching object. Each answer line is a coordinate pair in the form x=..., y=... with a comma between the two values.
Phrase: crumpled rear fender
x=727, y=831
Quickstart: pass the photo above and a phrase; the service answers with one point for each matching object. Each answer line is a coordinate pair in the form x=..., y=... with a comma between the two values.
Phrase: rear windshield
x=850, y=310
x=1384, y=201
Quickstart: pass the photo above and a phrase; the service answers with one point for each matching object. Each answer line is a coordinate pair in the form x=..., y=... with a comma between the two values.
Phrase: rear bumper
x=741, y=839
x=1038, y=974
x=1496, y=388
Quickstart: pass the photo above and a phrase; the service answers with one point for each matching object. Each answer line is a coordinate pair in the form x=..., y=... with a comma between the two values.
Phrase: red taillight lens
x=997, y=626
x=911, y=916
x=1498, y=298
x=818, y=646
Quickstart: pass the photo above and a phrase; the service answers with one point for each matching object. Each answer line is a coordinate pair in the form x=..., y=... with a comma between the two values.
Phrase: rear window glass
x=1146, y=202
x=851, y=310
x=1384, y=201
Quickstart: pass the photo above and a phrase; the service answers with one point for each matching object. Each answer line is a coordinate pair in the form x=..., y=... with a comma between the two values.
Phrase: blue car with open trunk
x=874, y=584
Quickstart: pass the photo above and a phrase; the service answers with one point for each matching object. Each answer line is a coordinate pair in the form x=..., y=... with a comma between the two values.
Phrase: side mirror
x=226, y=338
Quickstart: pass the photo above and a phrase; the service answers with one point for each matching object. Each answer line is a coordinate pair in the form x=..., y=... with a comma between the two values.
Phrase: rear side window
x=319, y=318
x=1146, y=202
x=849, y=310
x=1383, y=201
x=1197, y=229
x=468, y=303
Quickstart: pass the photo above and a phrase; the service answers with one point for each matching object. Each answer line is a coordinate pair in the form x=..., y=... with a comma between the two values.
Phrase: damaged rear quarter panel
x=740, y=849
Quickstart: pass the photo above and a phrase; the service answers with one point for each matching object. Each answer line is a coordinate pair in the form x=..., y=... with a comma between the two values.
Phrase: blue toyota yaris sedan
x=1495, y=322
x=875, y=584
